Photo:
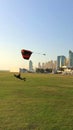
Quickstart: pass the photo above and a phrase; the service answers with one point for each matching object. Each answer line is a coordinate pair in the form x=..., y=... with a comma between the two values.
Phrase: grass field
x=42, y=102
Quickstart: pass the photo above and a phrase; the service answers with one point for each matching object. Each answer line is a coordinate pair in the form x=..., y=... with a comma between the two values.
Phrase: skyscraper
x=61, y=61
x=70, y=58
x=39, y=65
x=30, y=66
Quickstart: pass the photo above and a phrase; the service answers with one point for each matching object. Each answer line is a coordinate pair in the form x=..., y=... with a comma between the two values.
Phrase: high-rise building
x=61, y=61
x=67, y=62
x=39, y=65
x=70, y=58
x=30, y=66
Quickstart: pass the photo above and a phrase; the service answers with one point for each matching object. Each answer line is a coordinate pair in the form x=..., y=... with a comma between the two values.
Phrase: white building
x=30, y=66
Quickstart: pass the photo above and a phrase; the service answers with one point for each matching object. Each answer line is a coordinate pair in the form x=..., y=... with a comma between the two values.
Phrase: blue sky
x=42, y=26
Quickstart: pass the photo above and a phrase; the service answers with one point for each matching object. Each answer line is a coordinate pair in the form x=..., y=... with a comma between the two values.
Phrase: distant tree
x=48, y=70
x=39, y=70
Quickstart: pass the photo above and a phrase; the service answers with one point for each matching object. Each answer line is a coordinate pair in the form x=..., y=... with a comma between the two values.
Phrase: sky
x=42, y=26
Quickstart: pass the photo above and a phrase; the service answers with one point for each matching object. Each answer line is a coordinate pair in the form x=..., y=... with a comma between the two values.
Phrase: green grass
x=42, y=102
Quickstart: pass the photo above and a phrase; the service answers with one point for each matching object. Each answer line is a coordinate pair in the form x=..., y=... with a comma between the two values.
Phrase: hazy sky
x=42, y=26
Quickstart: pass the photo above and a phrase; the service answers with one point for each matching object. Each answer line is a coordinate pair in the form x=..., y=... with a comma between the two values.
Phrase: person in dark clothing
x=19, y=76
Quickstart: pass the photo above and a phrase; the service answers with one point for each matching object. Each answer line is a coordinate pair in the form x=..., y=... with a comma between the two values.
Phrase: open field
x=42, y=102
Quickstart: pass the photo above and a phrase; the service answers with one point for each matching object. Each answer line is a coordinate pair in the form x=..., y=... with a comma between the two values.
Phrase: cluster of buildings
x=48, y=65
x=62, y=61
x=65, y=65
x=62, y=64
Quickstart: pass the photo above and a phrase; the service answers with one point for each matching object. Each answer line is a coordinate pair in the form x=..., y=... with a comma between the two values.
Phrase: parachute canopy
x=26, y=54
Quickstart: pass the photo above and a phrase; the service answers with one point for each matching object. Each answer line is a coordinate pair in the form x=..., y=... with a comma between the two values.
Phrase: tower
x=61, y=61
x=70, y=58
x=30, y=66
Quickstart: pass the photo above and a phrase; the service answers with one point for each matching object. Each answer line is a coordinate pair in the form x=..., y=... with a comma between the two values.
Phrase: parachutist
x=19, y=76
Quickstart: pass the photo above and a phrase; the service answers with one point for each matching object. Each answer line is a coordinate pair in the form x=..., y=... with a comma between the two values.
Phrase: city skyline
x=61, y=61
x=42, y=26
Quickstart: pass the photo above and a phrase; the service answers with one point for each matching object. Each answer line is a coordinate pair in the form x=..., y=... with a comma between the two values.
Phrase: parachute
x=26, y=54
